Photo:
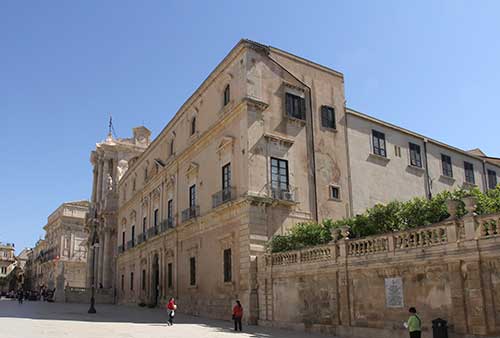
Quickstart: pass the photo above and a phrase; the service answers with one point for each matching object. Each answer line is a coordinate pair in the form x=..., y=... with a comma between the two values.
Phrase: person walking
x=20, y=296
x=414, y=324
x=171, y=307
x=237, y=315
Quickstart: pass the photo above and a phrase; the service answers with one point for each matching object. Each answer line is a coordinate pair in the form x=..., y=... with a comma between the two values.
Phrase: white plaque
x=394, y=292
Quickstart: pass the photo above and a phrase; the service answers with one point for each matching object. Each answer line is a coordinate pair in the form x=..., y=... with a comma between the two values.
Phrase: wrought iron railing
x=130, y=244
x=288, y=194
x=141, y=238
x=121, y=248
x=190, y=213
x=167, y=224
x=223, y=196
x=153, y=231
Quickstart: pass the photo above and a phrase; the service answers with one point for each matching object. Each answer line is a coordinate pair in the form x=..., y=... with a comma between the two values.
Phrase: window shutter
x=302, y=108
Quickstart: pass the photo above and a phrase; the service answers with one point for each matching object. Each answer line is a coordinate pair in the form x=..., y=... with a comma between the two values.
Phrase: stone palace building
x=60, y=259
x=265, y=142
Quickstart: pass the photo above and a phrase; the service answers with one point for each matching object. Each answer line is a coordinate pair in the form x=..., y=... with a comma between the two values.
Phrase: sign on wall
x=394, y=292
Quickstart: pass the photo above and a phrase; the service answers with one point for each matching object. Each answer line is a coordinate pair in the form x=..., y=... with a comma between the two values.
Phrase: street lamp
x=92, y=296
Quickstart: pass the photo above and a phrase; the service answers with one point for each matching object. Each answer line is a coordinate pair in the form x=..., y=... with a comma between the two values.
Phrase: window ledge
x=447, y=179
x=332, y=130
x=295, y=120
x=335, y=199
x=193, y=286
x=416, y=168
x=469, y=185
x=379, y=157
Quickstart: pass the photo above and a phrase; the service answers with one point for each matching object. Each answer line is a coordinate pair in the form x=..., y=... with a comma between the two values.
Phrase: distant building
x=60, y=259
x=7, y=265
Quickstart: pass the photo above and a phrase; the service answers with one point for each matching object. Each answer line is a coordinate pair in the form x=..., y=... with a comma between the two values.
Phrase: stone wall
x=364, y=287
x=82, y=295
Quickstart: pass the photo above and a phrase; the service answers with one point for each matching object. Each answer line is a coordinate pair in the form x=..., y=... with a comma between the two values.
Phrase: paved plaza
x=56, y=320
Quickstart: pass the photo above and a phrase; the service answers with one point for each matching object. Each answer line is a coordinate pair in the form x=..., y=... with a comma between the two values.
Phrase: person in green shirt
x=414, y=324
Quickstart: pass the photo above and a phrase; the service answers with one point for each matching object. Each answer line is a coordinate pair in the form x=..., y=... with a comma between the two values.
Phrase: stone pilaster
x=107, y=257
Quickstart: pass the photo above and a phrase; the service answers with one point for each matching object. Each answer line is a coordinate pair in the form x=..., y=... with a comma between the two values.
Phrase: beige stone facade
x=60, y=259
x=7, y=265
x=110, y=161
x=363, y=287
x=265, y=142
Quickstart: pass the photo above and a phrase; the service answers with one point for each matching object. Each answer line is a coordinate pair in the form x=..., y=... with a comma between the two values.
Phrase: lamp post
x=92, y=296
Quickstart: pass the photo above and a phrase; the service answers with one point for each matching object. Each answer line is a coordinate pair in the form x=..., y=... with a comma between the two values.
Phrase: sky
x=65, y=66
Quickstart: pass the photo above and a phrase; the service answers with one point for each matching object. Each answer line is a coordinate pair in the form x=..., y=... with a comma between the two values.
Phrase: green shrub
x=383, y=218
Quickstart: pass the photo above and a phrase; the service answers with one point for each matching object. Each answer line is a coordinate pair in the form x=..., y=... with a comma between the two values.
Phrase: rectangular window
x=131, y=281
x=155, y=215
x=170, y=209
x=144, y=222
x=123, y=283
x=132, y=235
x=469, y=173
x=446, y=163
x=334, y=193
x=227, y=265
x=415, y=155
x=144, y=279
x=123, y=240
x=279, y=174
x=295, y=106
x=226, y=176
x=192, y=271
x=492, y=179
x=192, y=196
x=170, y=275
x=379, y=143
x=328, y=117
x=172, y=147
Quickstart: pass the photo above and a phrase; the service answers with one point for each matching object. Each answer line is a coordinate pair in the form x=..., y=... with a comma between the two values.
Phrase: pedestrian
x=20, y=296
x=414, y=324
x=171, y=307
x=237, y=315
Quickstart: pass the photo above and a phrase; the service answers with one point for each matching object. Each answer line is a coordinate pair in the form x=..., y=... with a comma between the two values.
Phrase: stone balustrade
x=450, y=231
x=488, y=226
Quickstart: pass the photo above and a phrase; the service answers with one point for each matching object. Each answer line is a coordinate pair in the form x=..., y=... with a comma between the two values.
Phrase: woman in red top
x=171, y=307
x=237, y=315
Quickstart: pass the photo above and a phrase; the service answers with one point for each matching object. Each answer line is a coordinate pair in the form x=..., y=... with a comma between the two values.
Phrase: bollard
x=439, y=328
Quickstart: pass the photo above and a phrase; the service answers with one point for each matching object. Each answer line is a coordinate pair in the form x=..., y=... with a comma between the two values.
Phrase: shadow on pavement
x=131, y=314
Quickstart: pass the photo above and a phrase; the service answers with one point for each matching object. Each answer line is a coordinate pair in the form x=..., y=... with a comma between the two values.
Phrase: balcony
x=169, y=223
x=141, y=238
x=153, y=231
x=130, y=244
x=121, y=249
x=190, y=213
x=223, y=196
x=287, y=195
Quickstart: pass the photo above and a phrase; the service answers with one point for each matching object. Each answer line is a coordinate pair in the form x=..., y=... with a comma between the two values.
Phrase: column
x=102, y=251
x=90, y=272
x=106, y=260
x=94, y=184
x=105, y=173
x=99, y=181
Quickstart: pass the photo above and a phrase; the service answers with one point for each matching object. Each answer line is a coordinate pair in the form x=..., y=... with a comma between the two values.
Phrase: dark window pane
x=192, y=270
x=469, y=173
x=295, y=106
x=492, y=179
x=446, y=164
x=328, y=117
x=227, y=265
x=378, y=143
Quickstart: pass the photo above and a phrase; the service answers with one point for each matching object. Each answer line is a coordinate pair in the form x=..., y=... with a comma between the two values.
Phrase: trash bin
x=439, y=328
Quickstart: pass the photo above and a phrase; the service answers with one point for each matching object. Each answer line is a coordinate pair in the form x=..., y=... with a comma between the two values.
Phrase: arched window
x=227, y=95
x=193, y=125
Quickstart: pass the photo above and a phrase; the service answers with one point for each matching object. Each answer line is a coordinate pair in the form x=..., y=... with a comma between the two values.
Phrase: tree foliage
x=384, y=218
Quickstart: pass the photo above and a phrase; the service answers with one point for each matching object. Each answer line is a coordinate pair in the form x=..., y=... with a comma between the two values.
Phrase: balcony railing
x=189, y=213
x=121, y=248
x=153, y=231
x=167, y=224
x=141, y=238
x=288, y=194
x=223, y=196
x=130, y=244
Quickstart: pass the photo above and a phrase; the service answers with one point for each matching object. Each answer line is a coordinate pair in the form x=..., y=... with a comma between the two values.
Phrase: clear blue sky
x=430, y=66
